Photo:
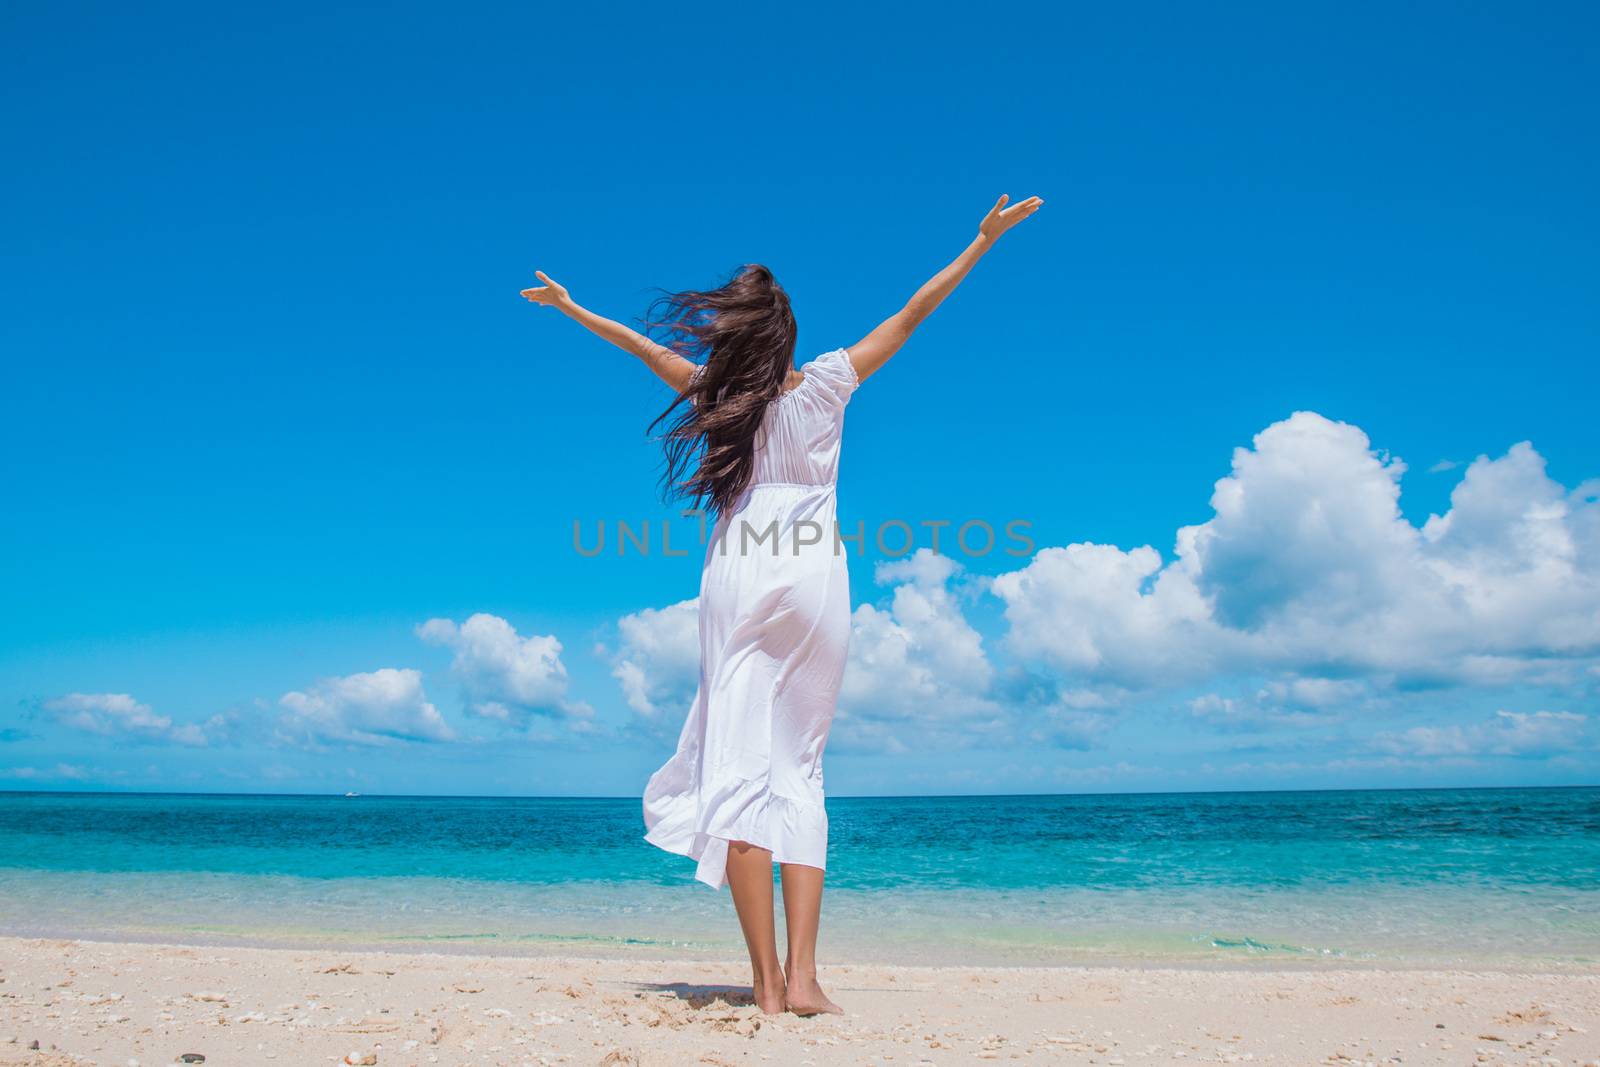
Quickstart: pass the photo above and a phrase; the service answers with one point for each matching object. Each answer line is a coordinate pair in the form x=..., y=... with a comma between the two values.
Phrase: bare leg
x=802, y=913
x=750, y=878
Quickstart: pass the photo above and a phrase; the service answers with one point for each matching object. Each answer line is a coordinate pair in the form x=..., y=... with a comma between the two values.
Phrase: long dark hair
x=742, y=335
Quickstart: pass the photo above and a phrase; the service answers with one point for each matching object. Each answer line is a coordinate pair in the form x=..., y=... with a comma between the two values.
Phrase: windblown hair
x=743, y=336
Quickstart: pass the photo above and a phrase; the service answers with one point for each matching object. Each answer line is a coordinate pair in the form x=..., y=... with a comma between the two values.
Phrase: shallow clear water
x=1425, y=876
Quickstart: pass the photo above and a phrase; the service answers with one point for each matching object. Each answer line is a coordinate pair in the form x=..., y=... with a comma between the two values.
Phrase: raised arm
x=874, y=350
x=664, y=362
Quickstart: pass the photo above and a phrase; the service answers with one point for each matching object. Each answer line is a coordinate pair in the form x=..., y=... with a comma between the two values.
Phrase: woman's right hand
x=551, y=294
x=1001, y=218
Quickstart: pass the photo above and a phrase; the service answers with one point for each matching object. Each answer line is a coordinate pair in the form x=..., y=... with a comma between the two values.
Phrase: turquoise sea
x=1481, y=876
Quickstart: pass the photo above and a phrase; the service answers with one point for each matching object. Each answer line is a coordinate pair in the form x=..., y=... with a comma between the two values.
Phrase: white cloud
x=1231, y=713
x=1516, y=558
x=1098, y=613
x=658, y=661
x=375, y=708
x=916, y=657
x=1508, y=733
x=1287, y=702
x=1307, y=527
x=1312, y=693
x=120, y=715
x=1307, y=597
x=1307, y=569
x=62, y=772
x=505, y=676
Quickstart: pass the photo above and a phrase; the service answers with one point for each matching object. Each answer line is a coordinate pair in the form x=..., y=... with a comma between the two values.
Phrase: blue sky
x=272, y=404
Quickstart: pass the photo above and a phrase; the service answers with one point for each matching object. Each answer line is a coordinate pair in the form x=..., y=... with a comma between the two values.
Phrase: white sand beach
x=125, y=1004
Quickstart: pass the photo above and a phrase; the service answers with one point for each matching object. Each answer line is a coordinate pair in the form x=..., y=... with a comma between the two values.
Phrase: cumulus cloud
x=1099, y=614
x=1236, y=713
x=504, y=676
x=1307, y=529
x=1307, y=568
x=1305, y=598
x=657, y=662
x=120, y=715
x=375, y=708
x=916, y=656
x=1508, y=733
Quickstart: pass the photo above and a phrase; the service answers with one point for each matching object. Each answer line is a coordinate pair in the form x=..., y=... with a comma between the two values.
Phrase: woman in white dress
x=756, y=442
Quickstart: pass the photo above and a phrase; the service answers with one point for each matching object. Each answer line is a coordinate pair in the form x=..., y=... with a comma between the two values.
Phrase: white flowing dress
x=774, y=629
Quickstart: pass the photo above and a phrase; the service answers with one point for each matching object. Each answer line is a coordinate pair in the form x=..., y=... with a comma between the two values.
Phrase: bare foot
x=768, y=999
x=805, y=997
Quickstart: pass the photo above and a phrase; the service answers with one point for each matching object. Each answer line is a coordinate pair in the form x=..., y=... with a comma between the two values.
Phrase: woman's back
x=799, y=441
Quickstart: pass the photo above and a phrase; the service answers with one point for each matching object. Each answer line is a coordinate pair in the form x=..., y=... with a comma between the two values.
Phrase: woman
x=757, y=443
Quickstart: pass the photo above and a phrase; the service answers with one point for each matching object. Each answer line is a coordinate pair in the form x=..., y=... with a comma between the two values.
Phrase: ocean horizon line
x=352, y=794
